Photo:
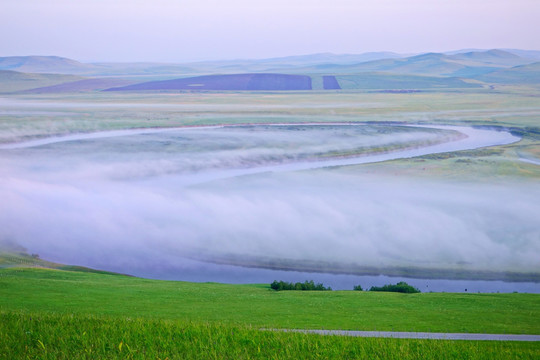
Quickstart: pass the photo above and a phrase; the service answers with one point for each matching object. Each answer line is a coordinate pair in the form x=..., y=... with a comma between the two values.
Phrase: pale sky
x=189, y=30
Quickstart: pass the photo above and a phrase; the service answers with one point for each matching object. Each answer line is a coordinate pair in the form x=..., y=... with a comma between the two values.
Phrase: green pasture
x=33, y=290
x=58, y=314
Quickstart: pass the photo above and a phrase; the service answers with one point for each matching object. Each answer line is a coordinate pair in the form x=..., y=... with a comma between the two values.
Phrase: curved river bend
x=197, y=271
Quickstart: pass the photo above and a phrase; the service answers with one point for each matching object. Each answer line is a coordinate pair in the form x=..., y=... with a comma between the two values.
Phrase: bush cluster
x=306, y=285
x=401, y=287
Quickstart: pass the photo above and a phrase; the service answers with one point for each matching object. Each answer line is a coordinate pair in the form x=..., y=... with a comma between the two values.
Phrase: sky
x=191, y=30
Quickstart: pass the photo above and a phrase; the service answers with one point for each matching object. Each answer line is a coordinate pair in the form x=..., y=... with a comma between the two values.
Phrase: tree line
x=401, y=287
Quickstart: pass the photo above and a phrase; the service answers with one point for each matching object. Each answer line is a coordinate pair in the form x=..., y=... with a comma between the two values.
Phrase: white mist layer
x=306, y=216
x=79, y=212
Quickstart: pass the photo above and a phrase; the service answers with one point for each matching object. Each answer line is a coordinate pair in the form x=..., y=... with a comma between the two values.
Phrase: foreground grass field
x=55, y=314
x=90, y=337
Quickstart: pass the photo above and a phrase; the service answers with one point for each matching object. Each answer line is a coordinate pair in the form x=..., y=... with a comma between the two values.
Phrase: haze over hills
x=527, y=54
x=524, y=74
x=436, y=64
x=44, y=64
x=374, y=61
x=495, y=57
x=381, y=70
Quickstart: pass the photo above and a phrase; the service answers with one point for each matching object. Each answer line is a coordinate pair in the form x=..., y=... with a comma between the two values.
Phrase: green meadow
x=67, y=292
x=47, y=336
x=48, y=313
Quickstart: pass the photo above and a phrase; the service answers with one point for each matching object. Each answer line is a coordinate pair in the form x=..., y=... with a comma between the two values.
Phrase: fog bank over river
x=143, y=202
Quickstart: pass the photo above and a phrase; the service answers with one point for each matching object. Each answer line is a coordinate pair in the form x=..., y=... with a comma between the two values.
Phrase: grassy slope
x=10, y=258
x=12, y=81
x=40, y=290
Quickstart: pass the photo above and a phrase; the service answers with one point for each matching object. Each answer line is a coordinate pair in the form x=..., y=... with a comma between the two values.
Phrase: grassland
x=42, y=115
x=55, y=336
x=515, y=107
x=56, y=314
x=84, y=293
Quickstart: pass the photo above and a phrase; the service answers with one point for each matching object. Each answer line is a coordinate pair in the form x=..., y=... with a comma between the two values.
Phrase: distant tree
x=305, y=286
x=358, y=288
x=401, y=287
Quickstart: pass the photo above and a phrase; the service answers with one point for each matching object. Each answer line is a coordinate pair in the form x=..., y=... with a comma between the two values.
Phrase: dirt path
x=421, y=335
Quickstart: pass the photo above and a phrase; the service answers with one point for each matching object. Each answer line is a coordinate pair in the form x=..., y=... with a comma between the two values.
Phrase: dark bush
x=401, y=287
x=358, y=288
x=306, y=286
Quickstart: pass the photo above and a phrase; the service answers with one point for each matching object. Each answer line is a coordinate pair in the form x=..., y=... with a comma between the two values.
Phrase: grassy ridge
x=90, y=337
x=66, y=292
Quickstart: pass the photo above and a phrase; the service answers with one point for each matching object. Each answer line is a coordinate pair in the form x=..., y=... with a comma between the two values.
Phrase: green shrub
x=401, y=287
x=358, y=288
x=306, y=285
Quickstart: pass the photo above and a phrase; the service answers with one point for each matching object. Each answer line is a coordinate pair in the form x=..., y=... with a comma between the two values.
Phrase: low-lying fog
x=119, y=203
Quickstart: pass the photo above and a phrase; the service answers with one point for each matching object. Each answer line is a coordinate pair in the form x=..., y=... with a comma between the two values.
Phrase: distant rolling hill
x=289, y=62
x=529, y=54
x=60, y=65
x=81, y=86
x=466, y=64
x=524, y=74
x=14, y=81
x=44, y=64
x=491, y=57
x=226, y=82
x=381, y=70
